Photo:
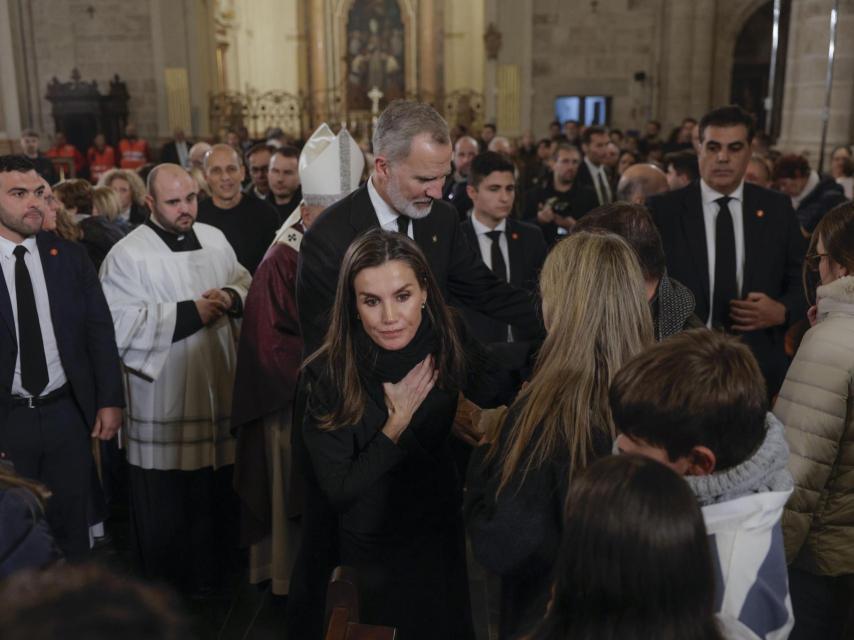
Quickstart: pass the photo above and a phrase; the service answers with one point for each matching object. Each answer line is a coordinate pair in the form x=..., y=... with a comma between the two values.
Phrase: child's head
x=695, y=402
x=635, y=560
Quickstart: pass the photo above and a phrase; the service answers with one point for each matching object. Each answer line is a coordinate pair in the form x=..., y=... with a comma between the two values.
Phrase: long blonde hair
x=106, y=202
x=137, y=186
x=597, y=317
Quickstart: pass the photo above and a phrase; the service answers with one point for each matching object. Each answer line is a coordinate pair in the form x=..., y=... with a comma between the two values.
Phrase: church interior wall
x=549, y=48
x=578, y=51
x=113, y=38
x=463, y=38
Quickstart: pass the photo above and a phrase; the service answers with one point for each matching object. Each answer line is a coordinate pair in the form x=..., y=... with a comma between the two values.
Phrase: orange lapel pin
x=760, y=213
x=54, y=252
x=515, y=236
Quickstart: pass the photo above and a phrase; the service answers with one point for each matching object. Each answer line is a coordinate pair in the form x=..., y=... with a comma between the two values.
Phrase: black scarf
x=378, y=365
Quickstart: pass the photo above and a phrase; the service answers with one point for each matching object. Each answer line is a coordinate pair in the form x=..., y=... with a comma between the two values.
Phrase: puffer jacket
x=816, y=405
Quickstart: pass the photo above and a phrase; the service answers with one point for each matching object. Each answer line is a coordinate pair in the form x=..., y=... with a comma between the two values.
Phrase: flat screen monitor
x=587, y=110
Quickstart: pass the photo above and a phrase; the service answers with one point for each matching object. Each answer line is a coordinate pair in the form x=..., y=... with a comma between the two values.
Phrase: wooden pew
x=342, y=611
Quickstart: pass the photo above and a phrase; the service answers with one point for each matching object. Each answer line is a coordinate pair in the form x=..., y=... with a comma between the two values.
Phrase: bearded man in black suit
x=412, y=150
x=735, y=245
x=412, y=158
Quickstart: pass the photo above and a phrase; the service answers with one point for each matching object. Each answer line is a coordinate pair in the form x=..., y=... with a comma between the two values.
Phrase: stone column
x=490, y=86
x=427, y=50
x=806, y=72
x=10, y=115
x=685, y=72
x=317, y=47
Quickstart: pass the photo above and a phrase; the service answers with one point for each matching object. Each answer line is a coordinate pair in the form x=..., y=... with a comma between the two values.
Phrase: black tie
x=603, y=188
x=34, y=375
x=403, y=225
x=726, y=287
x=499, y=267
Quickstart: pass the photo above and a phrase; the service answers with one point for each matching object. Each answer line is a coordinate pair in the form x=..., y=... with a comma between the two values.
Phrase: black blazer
x=169, y=152
x=586, y=178
x=458, y=270
x=527, y=252
x=774, y=250
x=81, y=322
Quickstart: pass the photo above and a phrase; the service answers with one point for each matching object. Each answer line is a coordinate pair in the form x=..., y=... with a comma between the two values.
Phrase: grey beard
x=406, y=207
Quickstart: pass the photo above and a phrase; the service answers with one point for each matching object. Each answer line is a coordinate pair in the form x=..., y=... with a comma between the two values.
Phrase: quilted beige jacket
x=816, y=405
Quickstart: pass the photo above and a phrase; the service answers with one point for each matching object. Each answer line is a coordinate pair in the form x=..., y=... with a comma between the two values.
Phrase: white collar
x=709, y=195
x=385, y=213
x=593, y=168
x=481, y=229
x=7, y=247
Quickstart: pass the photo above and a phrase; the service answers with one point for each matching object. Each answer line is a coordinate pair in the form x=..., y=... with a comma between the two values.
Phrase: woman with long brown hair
x=383, y=395
x=596, y=317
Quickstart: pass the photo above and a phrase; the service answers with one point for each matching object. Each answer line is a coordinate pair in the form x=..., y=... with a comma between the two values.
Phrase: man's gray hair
x=401, y=121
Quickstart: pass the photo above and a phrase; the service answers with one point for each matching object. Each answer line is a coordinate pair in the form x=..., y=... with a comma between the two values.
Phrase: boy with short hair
x=512, y=249
x=697, y=403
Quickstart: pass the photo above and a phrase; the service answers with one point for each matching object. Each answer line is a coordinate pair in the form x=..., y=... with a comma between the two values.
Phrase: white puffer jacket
x=816, y=405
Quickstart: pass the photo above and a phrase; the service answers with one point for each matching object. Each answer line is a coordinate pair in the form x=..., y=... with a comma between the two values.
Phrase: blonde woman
x=105, y=202
x=131, y=192
x=597, y=317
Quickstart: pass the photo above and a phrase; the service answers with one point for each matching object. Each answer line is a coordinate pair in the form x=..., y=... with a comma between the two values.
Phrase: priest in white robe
x=176, y=290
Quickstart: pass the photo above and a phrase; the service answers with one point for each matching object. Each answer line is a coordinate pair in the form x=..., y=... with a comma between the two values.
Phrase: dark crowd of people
x=614, y=372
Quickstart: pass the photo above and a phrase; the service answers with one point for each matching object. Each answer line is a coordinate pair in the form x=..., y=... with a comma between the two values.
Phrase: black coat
x=398, y=506
x=83, y=326
x=458, y=270
x=25, y=539
x=774, y=250
x=169, y=152
x=517, y=534
x=527, y=252
x=826, y=195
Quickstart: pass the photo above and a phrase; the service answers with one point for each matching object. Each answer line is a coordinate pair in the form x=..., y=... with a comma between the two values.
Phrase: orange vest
x=100, y=162
x=132, y=153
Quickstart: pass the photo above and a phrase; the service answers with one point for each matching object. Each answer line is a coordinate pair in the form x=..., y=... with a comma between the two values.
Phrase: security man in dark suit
x=412, y=157
x=513, y=250
x=60, y=378
x=735, y=245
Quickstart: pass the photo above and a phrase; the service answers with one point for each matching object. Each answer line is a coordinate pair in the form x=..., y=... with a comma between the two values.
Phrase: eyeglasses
x=813, y=259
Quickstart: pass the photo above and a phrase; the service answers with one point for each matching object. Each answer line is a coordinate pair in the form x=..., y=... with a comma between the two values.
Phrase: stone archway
x=731, y=18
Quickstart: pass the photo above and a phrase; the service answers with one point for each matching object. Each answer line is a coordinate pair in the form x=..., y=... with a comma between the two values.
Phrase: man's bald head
x=639, y=182
x=164, y=171
x=172, y=197
x=197, y=154
x=219, y=150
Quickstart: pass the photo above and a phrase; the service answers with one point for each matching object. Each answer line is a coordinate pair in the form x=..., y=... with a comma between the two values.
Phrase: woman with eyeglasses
x=816, y=404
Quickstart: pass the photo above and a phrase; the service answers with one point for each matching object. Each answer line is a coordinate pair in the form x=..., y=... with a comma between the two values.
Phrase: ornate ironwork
x=257, y=111
x=298, y=116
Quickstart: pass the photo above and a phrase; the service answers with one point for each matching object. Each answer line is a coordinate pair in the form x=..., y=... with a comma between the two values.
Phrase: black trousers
x=51, y=444
x=184, y=526
x=822, y=605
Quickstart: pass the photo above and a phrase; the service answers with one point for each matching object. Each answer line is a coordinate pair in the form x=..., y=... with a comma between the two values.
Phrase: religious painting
x=375, y=53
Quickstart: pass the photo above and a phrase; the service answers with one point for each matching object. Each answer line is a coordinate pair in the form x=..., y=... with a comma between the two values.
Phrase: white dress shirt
x=595, y=172
x=485, y=242
x=56, y=374
x=710, y=216
x=385, y=214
